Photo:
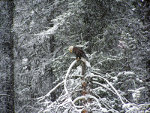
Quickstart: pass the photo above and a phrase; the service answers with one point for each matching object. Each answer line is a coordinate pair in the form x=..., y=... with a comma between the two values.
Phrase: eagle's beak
x=70, y=51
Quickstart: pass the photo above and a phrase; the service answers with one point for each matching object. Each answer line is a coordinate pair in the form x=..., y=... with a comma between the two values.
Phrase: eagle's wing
x=79, y=53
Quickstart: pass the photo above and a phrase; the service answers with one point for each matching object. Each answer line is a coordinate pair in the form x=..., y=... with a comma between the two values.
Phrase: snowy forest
x=38, y=74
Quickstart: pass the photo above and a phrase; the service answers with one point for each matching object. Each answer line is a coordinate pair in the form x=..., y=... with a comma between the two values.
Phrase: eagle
x=78, y=52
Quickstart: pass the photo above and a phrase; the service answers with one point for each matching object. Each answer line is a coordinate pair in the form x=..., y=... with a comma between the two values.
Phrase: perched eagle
x=78, y=52
x=80, y=55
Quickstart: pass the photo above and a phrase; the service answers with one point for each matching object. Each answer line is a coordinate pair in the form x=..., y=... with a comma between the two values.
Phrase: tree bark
x=6, y=57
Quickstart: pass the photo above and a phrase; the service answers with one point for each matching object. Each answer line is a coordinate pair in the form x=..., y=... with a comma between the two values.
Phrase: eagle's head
x=71, y=49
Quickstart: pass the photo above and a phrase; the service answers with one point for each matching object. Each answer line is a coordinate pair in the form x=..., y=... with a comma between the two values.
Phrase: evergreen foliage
x=115, y=36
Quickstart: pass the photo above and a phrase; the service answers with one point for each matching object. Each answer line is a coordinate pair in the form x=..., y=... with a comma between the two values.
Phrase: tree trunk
x=6, y=57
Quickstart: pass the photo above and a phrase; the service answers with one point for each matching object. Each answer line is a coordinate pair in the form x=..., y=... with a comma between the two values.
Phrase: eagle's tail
x=86, y=62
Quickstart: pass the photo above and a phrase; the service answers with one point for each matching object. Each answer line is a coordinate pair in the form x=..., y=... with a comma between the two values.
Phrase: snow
x=130, y=108
x=126, y=73
x=133, y=9
x=136, y=93
x=24, y=60
x=58, y=21
x=50, y=30
x=86, y=62
x=32, y=22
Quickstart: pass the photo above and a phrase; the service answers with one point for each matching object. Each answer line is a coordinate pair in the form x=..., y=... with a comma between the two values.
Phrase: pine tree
x=114, y=35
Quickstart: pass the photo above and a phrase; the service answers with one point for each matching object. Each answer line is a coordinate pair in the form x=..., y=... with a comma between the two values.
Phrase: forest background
x=34, y=58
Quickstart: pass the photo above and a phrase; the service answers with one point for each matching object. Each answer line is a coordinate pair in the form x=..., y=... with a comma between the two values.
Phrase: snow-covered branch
x=48, y=94
x=68, y=71
x=102, y=86
x=99, y=76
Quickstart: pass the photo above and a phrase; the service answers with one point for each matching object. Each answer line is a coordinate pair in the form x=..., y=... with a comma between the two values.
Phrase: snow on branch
x=63, y=82
x=48, y=94
x=87, y=96
x=86, y=62
x=49, y=31
x=93, y=75
x=58, y=21
x=67, y=101
x=102, y=86
x=68, y=71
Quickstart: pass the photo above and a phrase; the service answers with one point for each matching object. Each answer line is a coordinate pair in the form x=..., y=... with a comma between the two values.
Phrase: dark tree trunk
x=6, y=57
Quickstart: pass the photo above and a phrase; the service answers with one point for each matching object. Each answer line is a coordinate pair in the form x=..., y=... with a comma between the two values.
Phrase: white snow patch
x=129, y=73
x=50, y=30
x=104, y=110
x=133, y=9
x=126, y=73
x=115, y=79
x=139, y=80
x=24, y=60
